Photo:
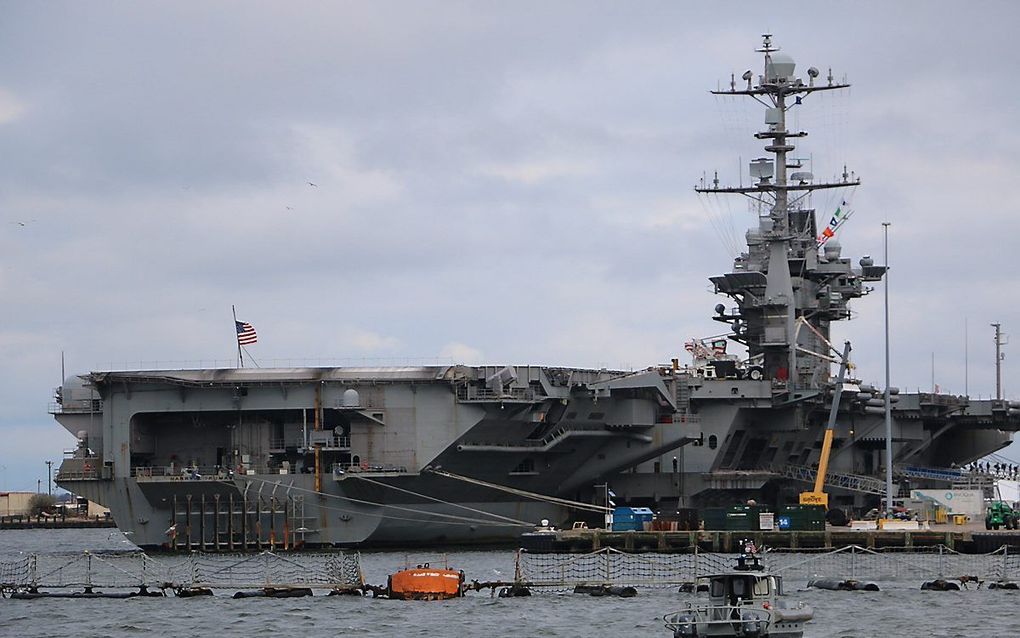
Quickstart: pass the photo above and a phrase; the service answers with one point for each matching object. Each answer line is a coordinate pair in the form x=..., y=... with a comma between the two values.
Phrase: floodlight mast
x=773, y=90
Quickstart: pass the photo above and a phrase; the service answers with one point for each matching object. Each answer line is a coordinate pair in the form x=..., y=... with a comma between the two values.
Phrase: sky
x=475, y=182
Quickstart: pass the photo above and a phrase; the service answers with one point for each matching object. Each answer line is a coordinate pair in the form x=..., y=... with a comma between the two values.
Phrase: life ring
x=364, y=465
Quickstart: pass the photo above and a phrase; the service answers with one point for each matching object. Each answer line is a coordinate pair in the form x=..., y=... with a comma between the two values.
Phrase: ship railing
x=939, y=474
x=75, y=406
x=85, y=453
x=484, y=393
x=545, y=441
x=178, y=473
x=78, y=469
x=701, y=614
x=367, y=467
x=300, y=362
x=279, y=444
x=328, y=441
x=941, y=399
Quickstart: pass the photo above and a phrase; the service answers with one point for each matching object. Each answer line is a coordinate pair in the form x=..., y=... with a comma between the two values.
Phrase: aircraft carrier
x=244, y=458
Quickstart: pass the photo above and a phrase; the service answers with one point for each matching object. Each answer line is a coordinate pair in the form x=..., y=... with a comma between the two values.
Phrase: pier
x=23, y=521
x=965, y=541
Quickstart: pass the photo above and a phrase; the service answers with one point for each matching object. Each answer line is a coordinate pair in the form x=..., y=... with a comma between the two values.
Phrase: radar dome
x=720, y=309
x=351, y=398
x=832, y=250
x=867, y=261
x=74, y=389
x=780, y=67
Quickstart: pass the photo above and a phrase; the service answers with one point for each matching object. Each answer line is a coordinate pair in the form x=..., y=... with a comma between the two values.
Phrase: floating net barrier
x=563, y=572
x=85, y=569
x=892, y=564
x=615, y=568
x=14, y=570
x=335, y=570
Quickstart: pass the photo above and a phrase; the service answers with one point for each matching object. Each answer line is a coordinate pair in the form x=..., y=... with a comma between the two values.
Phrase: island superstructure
x=239, y=457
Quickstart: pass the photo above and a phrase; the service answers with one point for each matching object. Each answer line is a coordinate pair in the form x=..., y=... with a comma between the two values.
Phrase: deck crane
x=817, y=496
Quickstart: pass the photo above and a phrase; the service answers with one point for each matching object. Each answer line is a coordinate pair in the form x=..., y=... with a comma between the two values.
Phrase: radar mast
x=787, y=290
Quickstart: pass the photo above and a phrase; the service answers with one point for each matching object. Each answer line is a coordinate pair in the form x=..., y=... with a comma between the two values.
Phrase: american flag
x=245, y=333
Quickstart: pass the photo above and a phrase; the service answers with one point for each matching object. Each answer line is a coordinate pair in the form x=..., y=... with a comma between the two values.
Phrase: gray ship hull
x=227, y=457
x=340, y=456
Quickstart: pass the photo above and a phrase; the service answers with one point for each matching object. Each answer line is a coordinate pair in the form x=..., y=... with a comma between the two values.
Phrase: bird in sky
x=312, y=184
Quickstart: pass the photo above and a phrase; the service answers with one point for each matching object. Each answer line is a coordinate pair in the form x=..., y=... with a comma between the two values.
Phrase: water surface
x=901, y=609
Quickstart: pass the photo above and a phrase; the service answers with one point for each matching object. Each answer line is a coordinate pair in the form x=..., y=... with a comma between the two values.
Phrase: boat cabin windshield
x=735, y=590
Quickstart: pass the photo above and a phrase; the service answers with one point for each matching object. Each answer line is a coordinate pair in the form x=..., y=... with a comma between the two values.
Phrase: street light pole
x=888, y=398
x=49, y=477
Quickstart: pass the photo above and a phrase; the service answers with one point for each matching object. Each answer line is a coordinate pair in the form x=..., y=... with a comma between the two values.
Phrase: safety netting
x=135, y=569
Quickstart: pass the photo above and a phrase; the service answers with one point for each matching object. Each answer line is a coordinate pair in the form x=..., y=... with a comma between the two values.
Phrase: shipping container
x=739, y=518
x=801, y=518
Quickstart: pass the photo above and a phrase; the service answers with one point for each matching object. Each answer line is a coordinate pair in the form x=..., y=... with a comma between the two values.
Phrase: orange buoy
x=426, y=583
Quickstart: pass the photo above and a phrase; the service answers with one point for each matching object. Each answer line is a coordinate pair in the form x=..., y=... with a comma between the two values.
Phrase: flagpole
x=240, y=358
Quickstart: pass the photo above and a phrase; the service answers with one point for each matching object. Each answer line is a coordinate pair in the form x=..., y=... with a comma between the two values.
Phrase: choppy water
x=901, y=609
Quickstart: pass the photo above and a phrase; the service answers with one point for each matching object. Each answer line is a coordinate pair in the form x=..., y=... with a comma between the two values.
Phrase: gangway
x=949, y=475
x=851, y=482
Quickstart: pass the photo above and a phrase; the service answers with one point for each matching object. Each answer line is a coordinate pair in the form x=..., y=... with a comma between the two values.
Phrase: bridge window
x=718, y=588
x=713, y=442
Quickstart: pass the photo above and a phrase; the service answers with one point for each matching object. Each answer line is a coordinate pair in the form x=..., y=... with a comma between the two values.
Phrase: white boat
x=746, y=602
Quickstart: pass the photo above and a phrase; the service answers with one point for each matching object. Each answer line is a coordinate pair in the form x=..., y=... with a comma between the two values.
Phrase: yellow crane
x=817, y=496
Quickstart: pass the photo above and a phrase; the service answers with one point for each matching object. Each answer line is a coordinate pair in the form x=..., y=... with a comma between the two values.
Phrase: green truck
x=1000, y=514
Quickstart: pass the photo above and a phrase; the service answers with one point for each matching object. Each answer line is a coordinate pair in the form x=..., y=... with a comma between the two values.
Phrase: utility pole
x=999, y=356
x=49, y=477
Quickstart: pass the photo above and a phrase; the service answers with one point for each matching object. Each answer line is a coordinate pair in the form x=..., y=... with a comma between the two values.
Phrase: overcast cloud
x=495, y=182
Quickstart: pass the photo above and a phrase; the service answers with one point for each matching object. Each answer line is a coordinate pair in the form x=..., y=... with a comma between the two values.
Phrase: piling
x=272, y=523
x=187, y=519
x=230, y=521
x=244, y=522
x=216, y=523
x=173, y=523
x=201, y=525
